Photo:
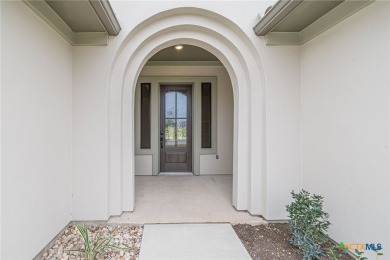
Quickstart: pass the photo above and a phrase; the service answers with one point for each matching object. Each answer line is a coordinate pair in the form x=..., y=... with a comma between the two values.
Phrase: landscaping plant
x=359, y=255
x=334, y=252
x=94, y=245
x=308, y=224
x=378, y=253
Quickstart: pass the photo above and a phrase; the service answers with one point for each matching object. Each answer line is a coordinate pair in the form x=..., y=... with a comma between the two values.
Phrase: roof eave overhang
x=106, y=15
x=103, y=11
x=274, y=16
x=284, y=7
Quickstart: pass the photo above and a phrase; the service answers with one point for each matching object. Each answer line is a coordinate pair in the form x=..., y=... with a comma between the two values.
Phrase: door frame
x=190, y=116
x=150, y=156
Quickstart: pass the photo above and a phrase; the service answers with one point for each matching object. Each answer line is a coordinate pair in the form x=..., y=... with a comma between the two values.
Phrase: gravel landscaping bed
x=122, y=236
x=265, y=242
x=270, y=242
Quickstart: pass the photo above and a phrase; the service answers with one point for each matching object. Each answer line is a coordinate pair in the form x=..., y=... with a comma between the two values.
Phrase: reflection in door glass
x=170, y=104
x=181, y=104
x=181, y=132
x=170, y=126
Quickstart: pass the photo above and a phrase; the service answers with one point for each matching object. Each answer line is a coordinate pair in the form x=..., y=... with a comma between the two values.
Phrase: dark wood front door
x=176, y=128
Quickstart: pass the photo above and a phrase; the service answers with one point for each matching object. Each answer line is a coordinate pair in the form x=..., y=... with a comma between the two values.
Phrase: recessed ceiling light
x=179, y=47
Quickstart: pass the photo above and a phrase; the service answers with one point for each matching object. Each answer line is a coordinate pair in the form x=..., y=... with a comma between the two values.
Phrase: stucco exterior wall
x=90, y=133
x=345, y=125
x=283, y=130
x=36, y=86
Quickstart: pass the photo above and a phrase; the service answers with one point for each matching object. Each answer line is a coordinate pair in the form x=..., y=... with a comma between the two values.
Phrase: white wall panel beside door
x=143, y=165
x=209, y=164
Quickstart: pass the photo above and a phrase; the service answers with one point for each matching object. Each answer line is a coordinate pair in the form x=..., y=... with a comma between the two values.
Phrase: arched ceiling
x=188, y=53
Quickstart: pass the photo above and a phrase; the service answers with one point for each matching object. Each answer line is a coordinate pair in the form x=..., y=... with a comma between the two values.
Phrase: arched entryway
x=183, y=114
x=183, y=125
x=230, y=45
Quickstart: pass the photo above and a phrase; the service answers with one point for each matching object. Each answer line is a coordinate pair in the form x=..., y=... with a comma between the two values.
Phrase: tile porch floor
x=184, y=199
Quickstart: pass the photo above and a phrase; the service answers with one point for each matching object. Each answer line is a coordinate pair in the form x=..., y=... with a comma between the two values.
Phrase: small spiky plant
x=96, y=245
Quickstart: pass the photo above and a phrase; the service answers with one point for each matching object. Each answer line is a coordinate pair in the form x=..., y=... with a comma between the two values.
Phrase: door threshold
x=176, y=174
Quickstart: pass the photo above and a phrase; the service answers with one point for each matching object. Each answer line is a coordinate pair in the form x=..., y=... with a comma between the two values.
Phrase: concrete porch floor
x=184, y=199
x=191, y=241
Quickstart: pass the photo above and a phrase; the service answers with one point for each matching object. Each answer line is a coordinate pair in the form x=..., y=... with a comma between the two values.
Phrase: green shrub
x=308, y=224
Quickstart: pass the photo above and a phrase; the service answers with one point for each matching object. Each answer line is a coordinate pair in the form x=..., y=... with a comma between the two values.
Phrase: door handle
x=162, y=140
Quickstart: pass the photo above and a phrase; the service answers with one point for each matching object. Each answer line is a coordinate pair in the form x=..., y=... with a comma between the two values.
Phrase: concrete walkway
x=184, y=199
x=191, y=241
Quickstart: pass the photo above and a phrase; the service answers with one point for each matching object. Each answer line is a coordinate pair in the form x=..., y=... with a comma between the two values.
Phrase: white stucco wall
x=345, y=125
x=36, y=65
x=90, y=133
x=283, y=130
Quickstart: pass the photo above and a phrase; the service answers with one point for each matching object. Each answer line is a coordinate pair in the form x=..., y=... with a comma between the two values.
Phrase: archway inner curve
x=240, y=97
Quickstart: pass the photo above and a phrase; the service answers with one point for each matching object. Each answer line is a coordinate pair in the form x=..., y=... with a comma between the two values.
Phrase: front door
x=176, y=128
